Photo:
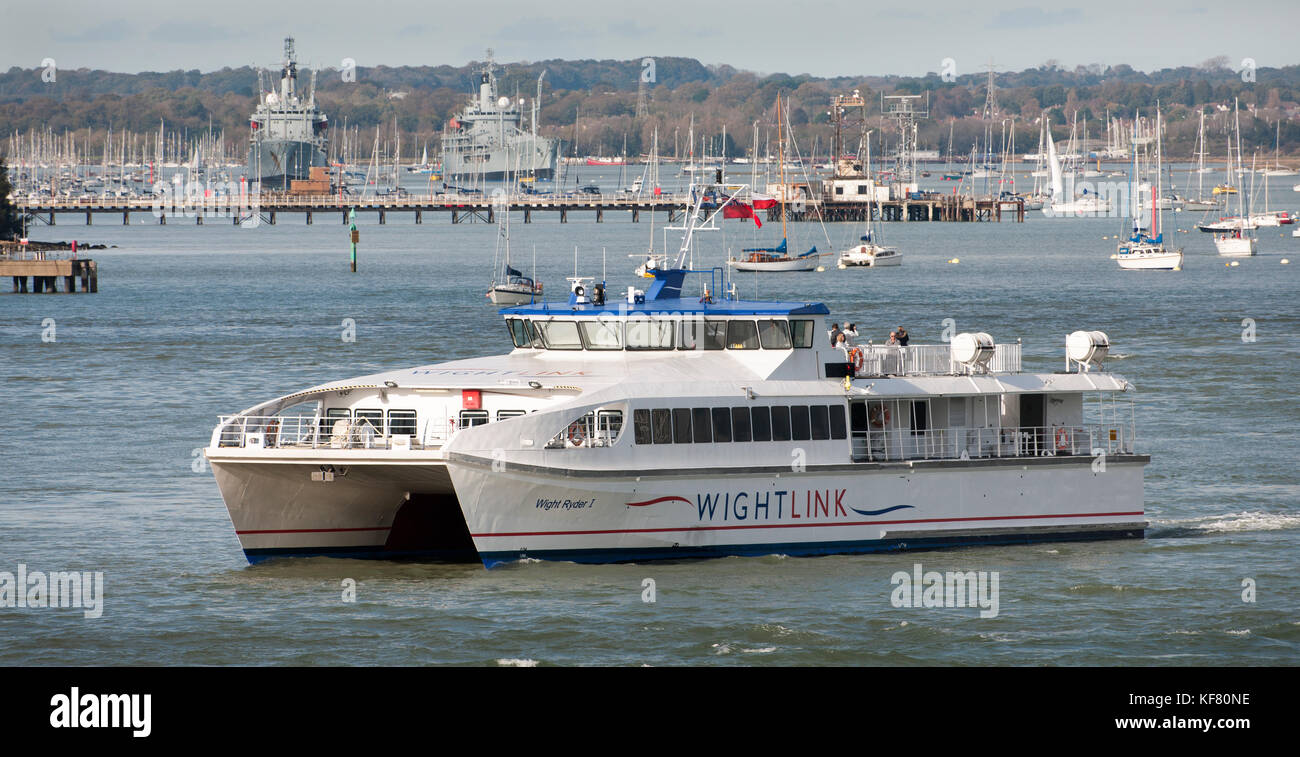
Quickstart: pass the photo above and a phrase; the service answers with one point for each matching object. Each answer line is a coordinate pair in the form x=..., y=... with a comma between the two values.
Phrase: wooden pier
x=267, y=208
x=45, y=275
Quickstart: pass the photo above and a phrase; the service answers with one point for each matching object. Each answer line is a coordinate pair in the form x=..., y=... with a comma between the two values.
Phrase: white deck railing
x=931, y=360
x=311, y=432
x=1023, y=441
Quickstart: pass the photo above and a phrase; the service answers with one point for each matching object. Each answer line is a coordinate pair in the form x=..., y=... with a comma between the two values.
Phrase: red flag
x=741, y=210
x=764, y=202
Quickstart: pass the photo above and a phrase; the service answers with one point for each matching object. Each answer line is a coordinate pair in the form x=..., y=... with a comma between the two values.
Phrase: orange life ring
x=855, y=357
x=272, y=432
x=880, y=416
x=576, y=435
x=1062, y=438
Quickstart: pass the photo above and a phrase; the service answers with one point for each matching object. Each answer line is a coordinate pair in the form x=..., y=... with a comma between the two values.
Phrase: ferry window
x=646, y=334
x=602, y=335
x=742, y=335
x=374, y=417
x=560, y=335
x=721, y=424
x=838, y=430
x=920, y=416
x=706, y=335
x=470, y=418
x=703, y=425
x=780, y=424
x=681, y=425
x=820, y=416
x=740, y=424
x=609, y=423
x=799, y=422
x=762, y=417
x=801, y=333
x=775, y=335
x=332, y=416
x=858, y=414
x=401, y=423
x=641, y=426
x=533, y=337
x=503, y=414
x=519, y=332
x=661, y=421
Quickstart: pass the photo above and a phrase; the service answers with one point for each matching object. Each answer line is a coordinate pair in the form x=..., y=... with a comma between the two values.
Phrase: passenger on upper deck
x=850, y=333
x=893, y=339
x=835, y=334
x=902, y=336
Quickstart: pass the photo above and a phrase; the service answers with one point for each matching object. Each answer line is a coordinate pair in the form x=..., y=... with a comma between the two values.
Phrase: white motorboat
x=1235, y=244
x=870, y=255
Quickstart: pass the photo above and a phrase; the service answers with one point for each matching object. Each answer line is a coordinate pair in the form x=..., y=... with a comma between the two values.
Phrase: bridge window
x=742, y=335
x=520, y=332
x=775, y=335
x=801, y=334
x=602, y=335
x=646, y=334
x=703, y=335
x=560, y=335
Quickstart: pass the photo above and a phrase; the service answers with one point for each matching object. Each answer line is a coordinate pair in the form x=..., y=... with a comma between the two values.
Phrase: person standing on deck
x=902, y=336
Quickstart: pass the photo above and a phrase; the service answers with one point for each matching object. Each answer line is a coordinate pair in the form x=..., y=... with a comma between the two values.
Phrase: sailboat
x=510, y=287
x=1200, y=202
x=1142, y=251
x=777, y=258
x=1236, y=241
x=869, y=254
x=1059, y=204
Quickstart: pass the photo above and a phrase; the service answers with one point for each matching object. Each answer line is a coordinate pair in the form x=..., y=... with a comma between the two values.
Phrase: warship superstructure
x=486, y=141
x=287, y=132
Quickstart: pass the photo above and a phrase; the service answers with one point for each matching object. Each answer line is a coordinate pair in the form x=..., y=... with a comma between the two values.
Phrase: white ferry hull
x=546, y=514
x=380, y=511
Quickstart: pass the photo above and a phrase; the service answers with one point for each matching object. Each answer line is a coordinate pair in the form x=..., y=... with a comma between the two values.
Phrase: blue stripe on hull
x=800, y=549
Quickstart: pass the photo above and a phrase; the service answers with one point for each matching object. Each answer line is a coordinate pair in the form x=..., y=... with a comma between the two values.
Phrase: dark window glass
x=774, y=335
x=470, y=418
x=721, y=424
x=799, y=422
x=920, y=416
x=641, y=425
x=740, y=424
x=837, y=422
x=661, y=420
x=703, y=335
x=504, y=414
x=781, y=424
x=703, y=425
x=858, y=414
x=801, y=334
x=401, y=422
x=519, y=333
x=681, y=425
x=742, y=335
x=820, y=416
x=762, y=423
x=374, y=417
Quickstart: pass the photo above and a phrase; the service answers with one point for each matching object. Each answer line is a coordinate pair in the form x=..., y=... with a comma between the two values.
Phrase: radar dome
x=503, y=102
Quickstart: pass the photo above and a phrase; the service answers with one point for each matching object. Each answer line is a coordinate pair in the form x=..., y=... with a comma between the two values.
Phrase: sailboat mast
x=780, y=147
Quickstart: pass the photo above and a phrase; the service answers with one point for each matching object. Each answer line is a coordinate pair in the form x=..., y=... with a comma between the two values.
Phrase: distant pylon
x=642, y=106
x=990, y=97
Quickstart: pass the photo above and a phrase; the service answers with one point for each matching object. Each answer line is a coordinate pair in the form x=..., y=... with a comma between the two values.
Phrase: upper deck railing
x=931, y=360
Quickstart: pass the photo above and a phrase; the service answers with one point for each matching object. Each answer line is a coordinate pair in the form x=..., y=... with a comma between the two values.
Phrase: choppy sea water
x=97, y=459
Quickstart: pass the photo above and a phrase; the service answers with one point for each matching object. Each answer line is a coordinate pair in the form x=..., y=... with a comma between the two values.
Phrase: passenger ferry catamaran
x=665, y=424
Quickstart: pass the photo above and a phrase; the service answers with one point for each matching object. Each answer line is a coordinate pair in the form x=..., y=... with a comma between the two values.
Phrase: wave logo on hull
x=812, y=504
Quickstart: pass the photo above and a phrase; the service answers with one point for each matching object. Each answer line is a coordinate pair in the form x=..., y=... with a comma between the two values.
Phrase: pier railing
x=970, y=443
x=931, y=360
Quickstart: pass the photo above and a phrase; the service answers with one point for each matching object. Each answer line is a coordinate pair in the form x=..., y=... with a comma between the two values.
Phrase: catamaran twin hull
x=471, y=510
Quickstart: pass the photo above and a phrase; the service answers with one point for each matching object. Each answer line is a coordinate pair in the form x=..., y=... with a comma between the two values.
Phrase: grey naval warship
x=485, y=141
x=287, y=132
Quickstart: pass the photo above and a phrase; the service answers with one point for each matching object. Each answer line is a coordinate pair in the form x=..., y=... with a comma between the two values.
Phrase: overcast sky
x=825, y=38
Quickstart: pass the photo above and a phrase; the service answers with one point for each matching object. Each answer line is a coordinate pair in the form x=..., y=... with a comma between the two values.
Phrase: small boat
x=1143, y=253
x=599, y=161
x=774, y=259
x=870, y=255
x=1238, y=243
x=511, y=287
x=1226, y=224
